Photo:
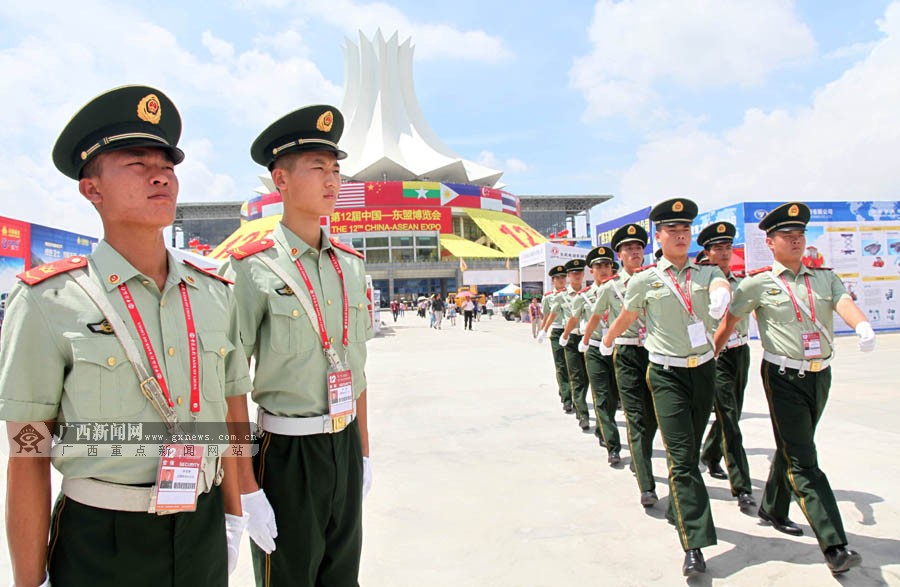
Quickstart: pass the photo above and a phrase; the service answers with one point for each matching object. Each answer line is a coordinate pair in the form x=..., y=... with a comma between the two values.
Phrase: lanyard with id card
x=696, y=329
x=177, y=479
x=812, y=341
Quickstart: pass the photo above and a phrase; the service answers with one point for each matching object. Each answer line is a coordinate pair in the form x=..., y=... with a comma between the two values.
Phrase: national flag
x=385, y=193
x=422, y=190
x=510, y=203
x=352, y=195
x=491, y=199
x=460, y=194
x=462, y=264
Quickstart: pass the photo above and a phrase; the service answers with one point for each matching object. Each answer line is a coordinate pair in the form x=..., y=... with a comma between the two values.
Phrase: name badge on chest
x=340, y=398
x=812, y=345
x=697, y=334
x=177, y=479
x=642, y=335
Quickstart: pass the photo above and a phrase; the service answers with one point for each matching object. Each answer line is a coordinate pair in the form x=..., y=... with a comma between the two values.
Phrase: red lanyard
x=151, y=355
x=315, y=300
x=687, y=286
x=812, y=304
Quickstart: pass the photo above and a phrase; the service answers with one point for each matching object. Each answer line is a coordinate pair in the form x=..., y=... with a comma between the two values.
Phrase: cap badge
x=325, y=121
x=631, y=230
x=720, y=229
x=794, y=210
x=601, y=251
x=149, y=109
x=677, y=206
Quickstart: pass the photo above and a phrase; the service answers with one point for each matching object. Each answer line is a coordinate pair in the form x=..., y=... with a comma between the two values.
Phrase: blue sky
x=642, y=99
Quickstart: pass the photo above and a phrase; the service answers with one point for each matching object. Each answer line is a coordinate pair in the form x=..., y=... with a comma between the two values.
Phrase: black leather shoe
x=670, y=518
x=631, y=467
x=840, y=559
x=715, y=471
x=585, y=424
x=784, y=525
x=746, y=501
x=614, y=458
x=567, y=408
x=649, y=499
x=693, y=563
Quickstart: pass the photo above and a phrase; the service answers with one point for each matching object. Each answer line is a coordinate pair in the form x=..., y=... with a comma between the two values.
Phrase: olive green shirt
x=57, y=363
x=291, y=366
x=546, y=308
x=743, y=327
x=779, y=329
x=667, y=319
x=608, y=301
x=582, y=304
x=562, y=304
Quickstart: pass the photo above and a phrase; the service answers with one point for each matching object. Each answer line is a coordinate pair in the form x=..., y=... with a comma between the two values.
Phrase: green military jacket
x=562, y=304
x=608, y=301
x=546, y=308
x=743, y=327
x=582, y=304
x=779, y=328
x=289, y=379
x=667, y=320
x=60, y=360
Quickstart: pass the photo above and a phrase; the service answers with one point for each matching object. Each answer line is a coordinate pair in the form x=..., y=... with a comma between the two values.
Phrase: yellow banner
x=460, y=247
x=508, y=232
x=247, y=233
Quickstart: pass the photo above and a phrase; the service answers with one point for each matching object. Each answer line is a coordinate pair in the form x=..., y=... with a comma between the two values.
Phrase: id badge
x=177, y=479
x=697, y=334
x=642, y=335
x=340, y=398
x=812, y=345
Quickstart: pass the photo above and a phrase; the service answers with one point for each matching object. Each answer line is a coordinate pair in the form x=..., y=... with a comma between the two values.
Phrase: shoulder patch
x=245, y=251
x=209, y=272
x=760, y=270
x=38, y=274
x=645, y=267
x=346, y=248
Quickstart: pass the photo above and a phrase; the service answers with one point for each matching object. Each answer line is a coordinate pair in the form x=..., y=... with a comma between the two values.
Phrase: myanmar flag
x=422, y=190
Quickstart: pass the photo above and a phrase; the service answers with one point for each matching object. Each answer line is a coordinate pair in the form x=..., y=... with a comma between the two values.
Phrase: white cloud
x=220, y=50
x=694, y=44
x=842, y=146
x=514, y=165
x=197, y=182
x=511, y=165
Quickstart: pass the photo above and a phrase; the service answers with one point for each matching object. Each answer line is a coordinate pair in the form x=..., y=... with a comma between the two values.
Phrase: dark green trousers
x=795, y=406
x=602, y=375
x=578, y=379
x=314, y=484
x=640, y=418
x=724, y=437
x=98, y=548
x=559, y=363
x=683, y=399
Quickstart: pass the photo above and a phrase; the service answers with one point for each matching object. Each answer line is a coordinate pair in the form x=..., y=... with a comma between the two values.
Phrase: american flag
x=352, y=195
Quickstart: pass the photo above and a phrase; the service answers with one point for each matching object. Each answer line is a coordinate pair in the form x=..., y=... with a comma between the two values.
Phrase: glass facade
x=396, y=247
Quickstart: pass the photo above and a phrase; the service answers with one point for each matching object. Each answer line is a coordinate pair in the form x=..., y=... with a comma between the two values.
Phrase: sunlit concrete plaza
x=480, y=479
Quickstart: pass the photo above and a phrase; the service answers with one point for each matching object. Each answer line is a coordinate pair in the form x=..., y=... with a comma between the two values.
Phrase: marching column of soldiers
x=669, y=343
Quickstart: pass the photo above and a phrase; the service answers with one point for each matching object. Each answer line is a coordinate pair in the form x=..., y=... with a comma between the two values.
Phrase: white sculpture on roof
x=385, y=135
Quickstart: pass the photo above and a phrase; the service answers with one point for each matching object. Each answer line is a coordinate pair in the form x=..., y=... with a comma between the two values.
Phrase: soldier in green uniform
x=600, y=370
x=305, y=320
x=555, y=326
x=794, y=306
x=64, y=361
x=630, y=358
x=562, y=306
x=679, y=297
x=732, y=366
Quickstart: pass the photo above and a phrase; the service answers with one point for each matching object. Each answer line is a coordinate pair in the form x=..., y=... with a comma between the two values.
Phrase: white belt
x=737, y=341
x=814, y=365
x=636, y=341
x=299, y=426
x=594, y=342
x=690, y=362
x=126, y=498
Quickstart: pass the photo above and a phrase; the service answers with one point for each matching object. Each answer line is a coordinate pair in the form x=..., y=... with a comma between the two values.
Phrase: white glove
x=866, y=337
x=234, y=530
x=606, y=351
x=542, y=336
x=582, y=347
x=718, y=302
x=563, y=340
x=261, y=525
x=367, y=476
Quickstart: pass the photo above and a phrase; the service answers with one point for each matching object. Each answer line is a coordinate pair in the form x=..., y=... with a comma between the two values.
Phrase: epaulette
x=645, y=267
x=346, y=248
x=208, y=272
x=610, y=278
x=821, y=268
x=760, y=270
x=740, y=275
x=244, y=251
x=38, y=274
x=547, y=293
x=584, y=290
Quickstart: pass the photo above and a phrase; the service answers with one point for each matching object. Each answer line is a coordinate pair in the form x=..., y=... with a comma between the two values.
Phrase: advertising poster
x=14, y=246
x=605, y=230
x=51, y=244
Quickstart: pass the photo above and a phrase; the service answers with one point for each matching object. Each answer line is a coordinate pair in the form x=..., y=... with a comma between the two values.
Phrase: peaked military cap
x=717, y=232
x=701, y=257
x=557, y=270
x=599, y=255
x=658, y=254
x=122, y=118
x=629, y=233
x=575, y=265
x=314, y=128
x=674, y=211
x=790, y=216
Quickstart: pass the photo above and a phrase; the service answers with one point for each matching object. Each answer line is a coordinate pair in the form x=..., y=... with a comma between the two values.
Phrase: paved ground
x=480, y=479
